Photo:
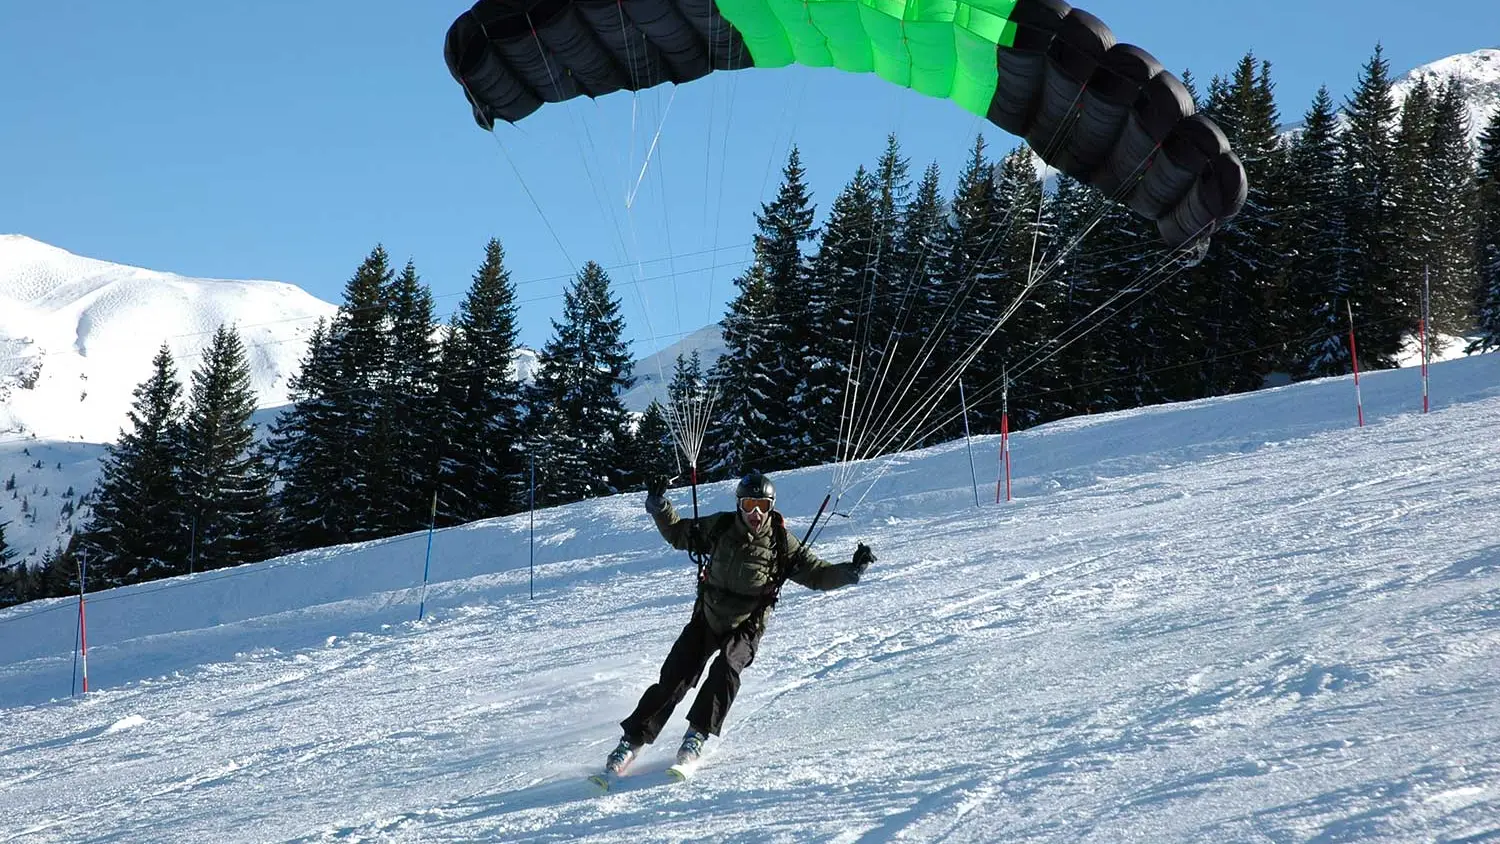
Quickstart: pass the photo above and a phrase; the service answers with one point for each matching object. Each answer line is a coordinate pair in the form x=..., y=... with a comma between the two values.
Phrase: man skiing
x=744, y=557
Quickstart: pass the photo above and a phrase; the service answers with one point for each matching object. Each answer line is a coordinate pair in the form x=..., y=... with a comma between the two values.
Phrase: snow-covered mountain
x=78, y=334
x=654, y=372
x=1479, y=72
x=1237, y=619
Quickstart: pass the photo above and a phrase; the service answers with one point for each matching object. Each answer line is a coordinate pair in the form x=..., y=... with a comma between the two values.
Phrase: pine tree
x=226, y=483
x=653, y=451
x=1487, y=241
x=1417, y=202
x=12, y=576
x=1452, y=266
x=742, y=379
x=577, y=419
x=1083, y=359
x=920, y=258
x=840, y=296
x=326, y=447
x=760, y=424
x=482, y=401
x=1244, y=274
x=969, y=292
x=306, y=451
x=1034, y=288
x=137, y=532
x=407, y=440
x=1382, y=301
x=1316, y=286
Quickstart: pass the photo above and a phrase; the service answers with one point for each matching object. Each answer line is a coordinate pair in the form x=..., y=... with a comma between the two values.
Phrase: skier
x=745, y=557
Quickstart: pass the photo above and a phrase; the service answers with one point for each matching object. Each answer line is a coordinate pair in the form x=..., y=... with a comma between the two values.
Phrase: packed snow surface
x=1239, y=619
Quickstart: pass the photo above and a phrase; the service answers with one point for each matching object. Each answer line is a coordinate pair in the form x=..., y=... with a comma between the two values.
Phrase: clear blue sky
x=282, y=139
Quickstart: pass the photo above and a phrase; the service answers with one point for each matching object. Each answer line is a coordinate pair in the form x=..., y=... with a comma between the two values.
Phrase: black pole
x=827, y=498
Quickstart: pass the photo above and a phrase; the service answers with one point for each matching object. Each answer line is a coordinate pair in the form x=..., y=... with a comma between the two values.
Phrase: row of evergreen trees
x=839, y=336
x=1350, y=215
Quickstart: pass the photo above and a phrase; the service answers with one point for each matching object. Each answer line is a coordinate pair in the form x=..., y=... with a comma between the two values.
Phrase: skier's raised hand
x=656, y=486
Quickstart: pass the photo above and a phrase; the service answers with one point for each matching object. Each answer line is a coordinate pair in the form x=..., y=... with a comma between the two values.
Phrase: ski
x=684, y=770
x=604, y=780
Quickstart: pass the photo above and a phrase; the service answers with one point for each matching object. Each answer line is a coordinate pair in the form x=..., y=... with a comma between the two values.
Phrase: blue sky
x=282, y=139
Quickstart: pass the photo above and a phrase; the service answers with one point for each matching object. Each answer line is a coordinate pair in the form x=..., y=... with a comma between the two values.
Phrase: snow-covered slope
x=76, y=337
x=1479, y=72
x=654, y=372
x=1239, y=619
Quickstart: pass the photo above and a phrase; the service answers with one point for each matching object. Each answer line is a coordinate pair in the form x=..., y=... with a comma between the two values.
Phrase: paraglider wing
x=1106, y=113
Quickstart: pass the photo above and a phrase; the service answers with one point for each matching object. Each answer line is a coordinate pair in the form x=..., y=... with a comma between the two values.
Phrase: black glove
x=863, y=557
x=656, y=486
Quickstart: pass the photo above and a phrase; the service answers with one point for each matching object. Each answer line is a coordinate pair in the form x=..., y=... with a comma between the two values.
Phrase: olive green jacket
x=741, y=569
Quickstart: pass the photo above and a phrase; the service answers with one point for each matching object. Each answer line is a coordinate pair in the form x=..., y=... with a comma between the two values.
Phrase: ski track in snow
x=1179, y=631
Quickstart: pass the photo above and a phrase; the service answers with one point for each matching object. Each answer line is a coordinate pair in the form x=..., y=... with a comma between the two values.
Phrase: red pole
x=1004, y=440
x=1359, y=403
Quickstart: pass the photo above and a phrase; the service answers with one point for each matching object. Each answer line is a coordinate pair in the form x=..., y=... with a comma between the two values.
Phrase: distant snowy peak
x=77, y=334
x=1478, y=72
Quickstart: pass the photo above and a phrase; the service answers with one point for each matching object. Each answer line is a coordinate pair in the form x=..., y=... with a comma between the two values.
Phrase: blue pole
x=427, y=566
x=77, y=631
x=532, y=461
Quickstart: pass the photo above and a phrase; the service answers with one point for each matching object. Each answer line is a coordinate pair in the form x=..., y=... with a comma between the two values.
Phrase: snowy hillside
x=654, y=372
x=1238, y=619
x=76, y=337
x=1480, y=74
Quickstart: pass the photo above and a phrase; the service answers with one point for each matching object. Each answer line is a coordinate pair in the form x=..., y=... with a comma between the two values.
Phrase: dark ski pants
x=680, y=672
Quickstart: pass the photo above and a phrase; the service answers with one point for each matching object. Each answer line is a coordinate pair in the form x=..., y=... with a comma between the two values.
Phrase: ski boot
x=689, y=754
x=617, y=763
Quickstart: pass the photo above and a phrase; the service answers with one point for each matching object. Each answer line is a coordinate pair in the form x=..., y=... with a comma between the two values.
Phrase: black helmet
x=755, y=485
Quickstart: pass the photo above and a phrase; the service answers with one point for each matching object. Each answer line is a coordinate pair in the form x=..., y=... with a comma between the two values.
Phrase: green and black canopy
x=1103, y=112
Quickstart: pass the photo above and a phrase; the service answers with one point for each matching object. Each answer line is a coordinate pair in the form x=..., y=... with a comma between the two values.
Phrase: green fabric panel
x=942, y=48
x=808, y=44
x=839, y=21
x=764, y=35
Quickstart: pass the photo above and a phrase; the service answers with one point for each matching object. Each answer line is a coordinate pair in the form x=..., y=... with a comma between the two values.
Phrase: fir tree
x=1487, y=240
x=1033, y=288
x=226, y=484
x=1243, y=274
x=653, y=451
x=137, y=531
x=482, y=401
x=767, y=326
x=326, y=446
x=407, y=436
x=1452, y=267
x=577, y=420
x=1316, y=287
x=841, y=296
x=912, y=302
x=742, y=379
x=1381, y=299
x=969, y=292
x=1418, y=203
x=305, y=451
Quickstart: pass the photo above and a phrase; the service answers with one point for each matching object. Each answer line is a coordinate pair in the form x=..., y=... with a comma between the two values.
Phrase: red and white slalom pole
x=1004, y=441
x=1423, y=323
x=1359, y=403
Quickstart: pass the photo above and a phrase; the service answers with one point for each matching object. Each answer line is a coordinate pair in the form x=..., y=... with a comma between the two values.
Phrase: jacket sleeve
x=814, y=572
x=682, y=534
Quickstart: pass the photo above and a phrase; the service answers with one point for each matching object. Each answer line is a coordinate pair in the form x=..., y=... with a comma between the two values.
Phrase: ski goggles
x=748, y=505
